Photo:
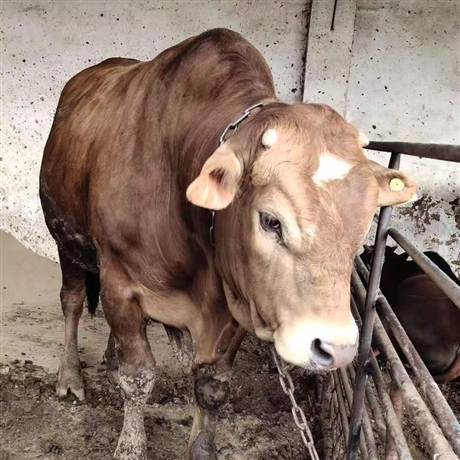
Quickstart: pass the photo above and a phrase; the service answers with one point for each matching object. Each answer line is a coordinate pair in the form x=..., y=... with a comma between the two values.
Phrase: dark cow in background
x=430, y=318
x=130, y=171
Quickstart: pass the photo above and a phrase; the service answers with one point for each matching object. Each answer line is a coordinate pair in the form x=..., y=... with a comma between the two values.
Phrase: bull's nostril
x=319, y=355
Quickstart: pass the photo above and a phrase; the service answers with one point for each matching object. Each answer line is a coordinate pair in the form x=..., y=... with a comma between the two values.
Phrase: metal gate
x=367, y=411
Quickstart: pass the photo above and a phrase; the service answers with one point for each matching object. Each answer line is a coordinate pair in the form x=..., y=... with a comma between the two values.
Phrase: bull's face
x=297, y=197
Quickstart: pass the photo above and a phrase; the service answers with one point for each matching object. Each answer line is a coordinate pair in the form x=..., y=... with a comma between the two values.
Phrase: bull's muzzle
x=331, y=356
x=317, y=345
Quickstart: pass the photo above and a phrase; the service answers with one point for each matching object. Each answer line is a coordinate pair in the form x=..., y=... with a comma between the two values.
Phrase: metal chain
x=297, y=413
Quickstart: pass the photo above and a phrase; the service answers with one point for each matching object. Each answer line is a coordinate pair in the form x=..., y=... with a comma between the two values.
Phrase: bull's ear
x=217, y=184
x=394, y=186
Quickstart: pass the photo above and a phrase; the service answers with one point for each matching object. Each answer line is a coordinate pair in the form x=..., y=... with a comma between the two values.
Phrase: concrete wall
x=392, y=68
x=47, y=42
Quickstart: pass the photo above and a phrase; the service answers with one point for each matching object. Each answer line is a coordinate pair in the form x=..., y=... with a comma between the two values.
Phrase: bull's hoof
x=112, y=375
x=131, y=446
x=129, y=453
x=70, y=380
x=203, y=447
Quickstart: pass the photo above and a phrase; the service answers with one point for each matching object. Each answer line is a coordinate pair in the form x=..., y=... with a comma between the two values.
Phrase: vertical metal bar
x=333, y=15
x=370, y=396
x=367, y=425
x=368, y=324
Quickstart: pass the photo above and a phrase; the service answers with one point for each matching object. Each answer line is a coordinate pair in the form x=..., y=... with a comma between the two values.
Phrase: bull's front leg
x=136, y=373
x=211, y=391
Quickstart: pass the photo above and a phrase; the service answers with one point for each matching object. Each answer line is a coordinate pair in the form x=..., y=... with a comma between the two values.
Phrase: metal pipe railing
x=341, y=405
x=367, y=425
x=387, y=423
x=446, y=152
x=431, y=269
x=370, y=396
x=368, y=321
x=391, y=419
x=396, y=399
x=434, y=439
x=427, y=386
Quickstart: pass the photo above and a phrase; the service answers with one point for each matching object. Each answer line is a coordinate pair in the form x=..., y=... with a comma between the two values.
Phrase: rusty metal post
x=396, y=399
x=435, y=442
x=370, y=396
x=427, y=386
x=368, y=322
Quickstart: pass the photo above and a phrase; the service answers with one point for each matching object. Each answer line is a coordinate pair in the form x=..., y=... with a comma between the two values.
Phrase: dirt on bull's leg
x=111, y=359
x=132, y=444
x=69, y=377
x=211, y=393
x=136, y=371
x=203, y=446
x=182, y=344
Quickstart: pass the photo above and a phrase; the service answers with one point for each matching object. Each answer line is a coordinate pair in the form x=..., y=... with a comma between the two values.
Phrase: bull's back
x=87, y=107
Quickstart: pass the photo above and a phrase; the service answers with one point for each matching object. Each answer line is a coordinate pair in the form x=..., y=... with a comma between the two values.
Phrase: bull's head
x=297, y=197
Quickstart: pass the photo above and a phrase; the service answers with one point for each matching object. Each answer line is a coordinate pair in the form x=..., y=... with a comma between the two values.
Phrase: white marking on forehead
x=270, y=138
x=330, y=168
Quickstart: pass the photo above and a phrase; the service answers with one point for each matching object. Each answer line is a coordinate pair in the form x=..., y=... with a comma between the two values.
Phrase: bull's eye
x=270, y=224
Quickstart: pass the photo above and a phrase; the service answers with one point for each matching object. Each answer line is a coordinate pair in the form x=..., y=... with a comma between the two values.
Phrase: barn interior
x=391, y=68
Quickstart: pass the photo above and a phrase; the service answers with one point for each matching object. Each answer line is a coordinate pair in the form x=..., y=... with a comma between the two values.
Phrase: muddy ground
x=256, y=424
x=35, y=424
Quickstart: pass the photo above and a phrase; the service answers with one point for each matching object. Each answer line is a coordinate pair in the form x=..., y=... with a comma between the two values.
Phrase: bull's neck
x=206, y=129
x=200, y=141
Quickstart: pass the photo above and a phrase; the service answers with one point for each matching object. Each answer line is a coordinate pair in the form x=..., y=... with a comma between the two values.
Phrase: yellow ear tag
x=396, y=184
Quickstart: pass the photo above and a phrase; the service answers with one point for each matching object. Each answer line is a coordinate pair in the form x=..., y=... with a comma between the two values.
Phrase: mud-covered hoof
x=203, y=447
x=112, y=375
x=130, y=448
x=70, y=380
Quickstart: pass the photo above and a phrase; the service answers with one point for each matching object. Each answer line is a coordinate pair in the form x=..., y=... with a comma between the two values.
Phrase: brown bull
x=430, y=318
x=131, y=169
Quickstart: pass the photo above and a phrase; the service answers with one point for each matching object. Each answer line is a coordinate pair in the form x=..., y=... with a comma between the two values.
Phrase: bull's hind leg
x=211, y=390
x=136, y=374
x=72, y=298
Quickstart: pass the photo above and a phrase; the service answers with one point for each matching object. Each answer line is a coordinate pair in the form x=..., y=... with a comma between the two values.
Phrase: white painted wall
x=46, y=42
x=392, y=68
